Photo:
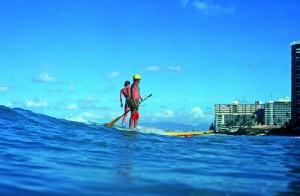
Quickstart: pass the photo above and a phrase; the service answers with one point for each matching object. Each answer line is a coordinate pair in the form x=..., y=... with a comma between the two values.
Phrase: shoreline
x=263, y=132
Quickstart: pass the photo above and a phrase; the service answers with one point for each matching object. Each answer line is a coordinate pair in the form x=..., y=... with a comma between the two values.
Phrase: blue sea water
x=41, y=155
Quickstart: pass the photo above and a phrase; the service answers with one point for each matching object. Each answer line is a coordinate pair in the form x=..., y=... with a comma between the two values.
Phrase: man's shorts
x=132, y=106
x=135, y=116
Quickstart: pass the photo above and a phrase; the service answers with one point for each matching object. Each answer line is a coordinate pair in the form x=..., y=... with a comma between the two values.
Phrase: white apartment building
x=232, y=116
x=278, y=112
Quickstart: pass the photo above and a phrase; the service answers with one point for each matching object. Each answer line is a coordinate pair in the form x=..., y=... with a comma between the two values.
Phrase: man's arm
x=121, y=93
x=140, y=97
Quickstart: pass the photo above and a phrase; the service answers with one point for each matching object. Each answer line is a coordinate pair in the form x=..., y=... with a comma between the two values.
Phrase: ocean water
x=40, y=155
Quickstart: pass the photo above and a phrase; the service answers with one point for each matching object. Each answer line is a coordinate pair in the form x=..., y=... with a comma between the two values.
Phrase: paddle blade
x=113, y=122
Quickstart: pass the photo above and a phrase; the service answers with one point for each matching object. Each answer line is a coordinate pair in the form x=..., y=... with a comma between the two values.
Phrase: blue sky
x=70, y=58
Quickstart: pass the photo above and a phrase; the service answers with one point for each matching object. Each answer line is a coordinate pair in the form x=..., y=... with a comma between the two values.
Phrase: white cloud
x=44, y=78
x=193, y=116
x=36, y=103
x=152, y=68
x=72, y=107
x=4, y=88
x=201, y=5
x=184, y=3
x=88, y=114
x=9, y=104
x=53, y=90
x=85, y=117
x=169, y=113
x=209, y=9
x=166, y=115
x=77, y=119
x=72, y=88
x=174, y=68
x=157, y=68
x=114, y=74
x=197, y=112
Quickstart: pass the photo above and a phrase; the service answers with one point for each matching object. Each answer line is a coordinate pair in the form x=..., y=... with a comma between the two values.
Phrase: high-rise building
x=295, y=61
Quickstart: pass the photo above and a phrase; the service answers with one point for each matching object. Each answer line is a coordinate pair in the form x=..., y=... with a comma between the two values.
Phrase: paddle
x=114, y=121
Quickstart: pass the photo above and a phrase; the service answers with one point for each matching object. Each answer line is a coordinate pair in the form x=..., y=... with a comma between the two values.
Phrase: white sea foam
x=151, y=130
x=141, y=129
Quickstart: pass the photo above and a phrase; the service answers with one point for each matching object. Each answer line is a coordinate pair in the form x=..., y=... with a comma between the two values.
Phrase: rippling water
x=40, y=155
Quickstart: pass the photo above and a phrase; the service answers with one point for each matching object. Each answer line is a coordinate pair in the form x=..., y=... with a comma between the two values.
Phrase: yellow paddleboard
x=187, y=134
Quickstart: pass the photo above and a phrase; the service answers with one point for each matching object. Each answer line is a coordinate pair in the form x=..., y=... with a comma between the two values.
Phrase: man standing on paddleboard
x=135, y=101
x=126, y=93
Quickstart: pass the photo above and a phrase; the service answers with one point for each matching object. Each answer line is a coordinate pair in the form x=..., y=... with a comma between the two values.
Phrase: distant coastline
x=263, y=131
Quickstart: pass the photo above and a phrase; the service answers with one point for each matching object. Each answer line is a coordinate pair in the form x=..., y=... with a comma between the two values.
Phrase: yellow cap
x=137, y=77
